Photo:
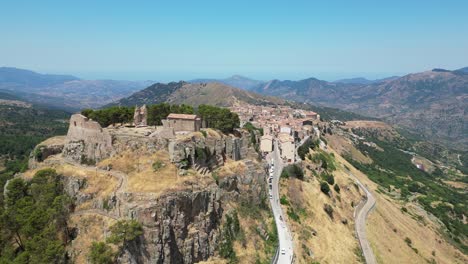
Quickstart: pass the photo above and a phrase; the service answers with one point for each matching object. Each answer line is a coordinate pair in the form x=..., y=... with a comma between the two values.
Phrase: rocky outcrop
x=185, y=226
x=209, y=152
x=42, y=152
x=180, y=227
x=182, y=224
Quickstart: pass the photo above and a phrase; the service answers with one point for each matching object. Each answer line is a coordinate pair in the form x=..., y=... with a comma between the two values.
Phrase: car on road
x=283, y=251
x=270, y=180
x=271, y=187
x=271, y=196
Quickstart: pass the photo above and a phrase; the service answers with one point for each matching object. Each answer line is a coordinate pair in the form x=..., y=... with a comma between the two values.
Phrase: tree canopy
x=33, y=215
x=219, y=118
x=214, y=117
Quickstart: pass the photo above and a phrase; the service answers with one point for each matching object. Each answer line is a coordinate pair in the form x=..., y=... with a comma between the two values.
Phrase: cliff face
x=181, y=209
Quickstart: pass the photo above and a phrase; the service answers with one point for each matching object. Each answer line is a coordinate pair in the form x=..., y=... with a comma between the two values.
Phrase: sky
x=182, y=40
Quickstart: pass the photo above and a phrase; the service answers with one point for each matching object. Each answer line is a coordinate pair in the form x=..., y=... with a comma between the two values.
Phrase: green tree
x=101, y=253
x=125, y=231
x=33, y=220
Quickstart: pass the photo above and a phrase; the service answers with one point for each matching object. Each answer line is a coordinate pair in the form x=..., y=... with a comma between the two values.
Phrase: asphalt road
x=361, y=214
x=284, y=234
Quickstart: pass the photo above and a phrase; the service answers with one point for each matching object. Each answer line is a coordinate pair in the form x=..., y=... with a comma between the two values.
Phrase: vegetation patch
x=33, y=218
x=304, y=149
x=293, y=170
x=392, y=169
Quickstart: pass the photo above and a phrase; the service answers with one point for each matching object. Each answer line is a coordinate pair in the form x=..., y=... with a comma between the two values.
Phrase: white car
x=283, y=251
x=271, y=196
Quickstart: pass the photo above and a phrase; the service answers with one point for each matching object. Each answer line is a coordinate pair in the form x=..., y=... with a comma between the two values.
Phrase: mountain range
x=432, y=104
x=234, y=81
x=65, y=91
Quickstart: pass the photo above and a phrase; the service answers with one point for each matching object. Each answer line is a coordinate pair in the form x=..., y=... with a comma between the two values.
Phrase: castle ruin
x=140, y=117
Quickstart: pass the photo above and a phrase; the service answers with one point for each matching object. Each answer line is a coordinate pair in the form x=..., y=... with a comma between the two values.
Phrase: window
x=74, y=122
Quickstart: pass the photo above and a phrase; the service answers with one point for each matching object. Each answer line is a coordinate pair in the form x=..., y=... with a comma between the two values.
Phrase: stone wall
x=86, y=139
x=183, y=124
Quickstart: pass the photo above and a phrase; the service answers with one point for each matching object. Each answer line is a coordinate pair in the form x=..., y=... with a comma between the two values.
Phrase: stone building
x=287, y=147
x=87, y=139
x=140, y=116
x=266, y=143
x=183, y=122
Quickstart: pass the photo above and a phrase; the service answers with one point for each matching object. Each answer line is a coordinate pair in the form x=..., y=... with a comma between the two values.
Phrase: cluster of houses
x=289, y=126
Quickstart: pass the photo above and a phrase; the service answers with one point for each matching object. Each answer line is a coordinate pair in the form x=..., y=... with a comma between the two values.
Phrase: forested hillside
x=21, y=128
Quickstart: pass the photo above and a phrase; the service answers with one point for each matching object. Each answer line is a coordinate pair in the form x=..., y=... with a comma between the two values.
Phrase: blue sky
x=173, y=40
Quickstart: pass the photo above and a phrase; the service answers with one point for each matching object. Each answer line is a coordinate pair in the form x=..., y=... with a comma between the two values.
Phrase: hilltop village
x=288, y=125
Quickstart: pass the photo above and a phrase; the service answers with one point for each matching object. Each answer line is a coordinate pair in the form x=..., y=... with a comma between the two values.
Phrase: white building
x=286, y=130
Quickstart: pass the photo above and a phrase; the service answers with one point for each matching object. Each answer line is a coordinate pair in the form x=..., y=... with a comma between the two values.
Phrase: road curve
x=361, y=213
x=285, y=250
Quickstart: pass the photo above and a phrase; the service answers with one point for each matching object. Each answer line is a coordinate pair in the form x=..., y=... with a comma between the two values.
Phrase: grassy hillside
x=396, y=175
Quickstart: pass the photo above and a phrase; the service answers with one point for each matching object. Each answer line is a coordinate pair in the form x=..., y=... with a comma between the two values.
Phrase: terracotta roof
x=181, y=116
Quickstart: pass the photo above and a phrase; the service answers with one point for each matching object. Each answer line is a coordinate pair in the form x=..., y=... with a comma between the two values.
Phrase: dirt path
x=95, y=212
x=121, y=188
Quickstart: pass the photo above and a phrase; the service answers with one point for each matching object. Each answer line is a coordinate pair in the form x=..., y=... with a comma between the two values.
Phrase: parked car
x=283, y=251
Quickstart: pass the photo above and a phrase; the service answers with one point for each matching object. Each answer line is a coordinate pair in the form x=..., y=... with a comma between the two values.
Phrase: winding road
x=285, y=251
x=361, y=213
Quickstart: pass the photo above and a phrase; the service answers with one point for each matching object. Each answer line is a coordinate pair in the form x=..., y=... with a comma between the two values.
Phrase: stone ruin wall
x=87, y=140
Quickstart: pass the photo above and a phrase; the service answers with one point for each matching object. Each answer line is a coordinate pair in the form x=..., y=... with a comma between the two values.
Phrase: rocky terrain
x=181, y=202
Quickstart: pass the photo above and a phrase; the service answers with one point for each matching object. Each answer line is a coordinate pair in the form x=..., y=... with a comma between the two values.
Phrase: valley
x=198, y=195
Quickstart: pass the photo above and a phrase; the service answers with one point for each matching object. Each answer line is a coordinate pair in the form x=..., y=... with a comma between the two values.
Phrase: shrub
x=293, y=215
x=284, y=200
x=304, y=148
x=328, y=178
x=329, y=210
x=293, y=170
x=101, y=253
x=337, y=188
x=230, y=231
x=408, y=241
x=325, y=188
x=157, y=165
x=124, y=231
x=38, y=153
x=204, y=133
